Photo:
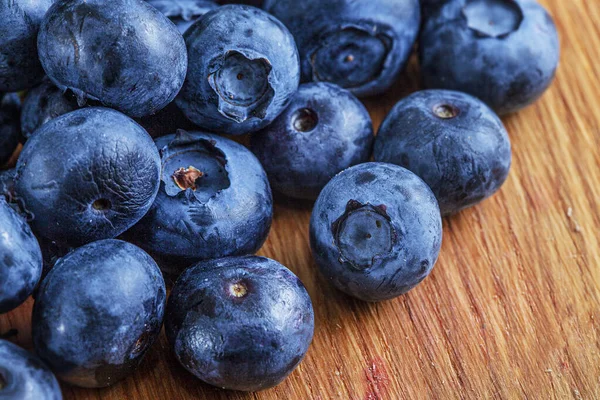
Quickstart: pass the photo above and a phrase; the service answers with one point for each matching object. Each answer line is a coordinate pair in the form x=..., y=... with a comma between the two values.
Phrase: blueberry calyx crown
x=363, y=234
x=352, y=56
x=186, y=178
x=242, y=85
x=189, y=159
x=493, y=18
x=238, y=289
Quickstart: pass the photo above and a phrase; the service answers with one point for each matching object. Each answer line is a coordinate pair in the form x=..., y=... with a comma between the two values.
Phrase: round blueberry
x=243, y=70
x=23, y=376
x=361, y=46
x=451, y=140
x=20, y=66
x=123, y=53
x=20, y=260
x=87, y=175
x=376, y=231
x=324, y=130
x=10, y=126
x=97, y=313
x=183, y=13
x=214, y=201
x=42, y=104
x=241, y=323
x=504, y=52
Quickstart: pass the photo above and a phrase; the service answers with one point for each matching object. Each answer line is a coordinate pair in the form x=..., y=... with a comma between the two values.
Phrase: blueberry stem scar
x=186, y=178
x=445, y=111
x=238, y=289
x=101, y=205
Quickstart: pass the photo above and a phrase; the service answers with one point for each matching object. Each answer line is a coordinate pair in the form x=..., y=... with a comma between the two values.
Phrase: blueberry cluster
x=124, y=177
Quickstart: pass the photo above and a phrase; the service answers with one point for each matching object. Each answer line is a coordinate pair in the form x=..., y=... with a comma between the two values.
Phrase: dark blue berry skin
x=7, y=184
x=241, y=323
x=10, y=127
x=20, y=259
x=229, y=212
x=125, y=54
x=87, y=175
x=504, y=52
x=183, y=13
x=376, y=231
x=243, y=70
x=20, y=66
x=359, y=45
x=451, y=140
x=324, y=130
x=24, y=376
x=42, y=104
x=97, y=313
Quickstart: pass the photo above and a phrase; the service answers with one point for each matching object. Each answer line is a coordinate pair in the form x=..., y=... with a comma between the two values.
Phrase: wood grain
x=512, y=307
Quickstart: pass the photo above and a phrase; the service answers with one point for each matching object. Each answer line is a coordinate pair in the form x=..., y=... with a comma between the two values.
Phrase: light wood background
x=512, y=308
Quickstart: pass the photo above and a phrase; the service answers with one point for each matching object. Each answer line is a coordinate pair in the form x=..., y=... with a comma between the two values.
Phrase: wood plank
x=511, y=310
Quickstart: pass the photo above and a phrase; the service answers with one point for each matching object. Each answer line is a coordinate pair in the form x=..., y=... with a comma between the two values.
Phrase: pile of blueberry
x=96, y=212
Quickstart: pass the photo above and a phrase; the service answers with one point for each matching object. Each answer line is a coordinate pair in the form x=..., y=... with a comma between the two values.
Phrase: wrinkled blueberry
x=241, y=323
x=10, y=127
x=98, y=312
x=376, y=231
x=20, y=260
x=214, y=201
x=243, y=70
x=503, y=51
x=123, y=53
x=42, y=104
x=87, y=175
x=324, y=130
x=451, y=140
x=359, y=45
x=23, y=376
x=183, y=13
x=20, y=67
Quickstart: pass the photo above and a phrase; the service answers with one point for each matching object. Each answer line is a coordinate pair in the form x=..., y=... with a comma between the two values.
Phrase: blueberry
x=23, y=376
x=87, y=175
x=376, y=231
x=7, y=184
x=42, y=104
x=243, y=70
x=324, y=131
x=98, y=312
x=214, y=201
x=503, y=51
x=20, y=67
x=359, y=45
x=183, y=13
x=123, y=53
x=10, y=127
x=452, y=140
x=20, y=260
x=241, y=323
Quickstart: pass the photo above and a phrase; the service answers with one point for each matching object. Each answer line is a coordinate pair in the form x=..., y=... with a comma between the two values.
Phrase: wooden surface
x=511, y=309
